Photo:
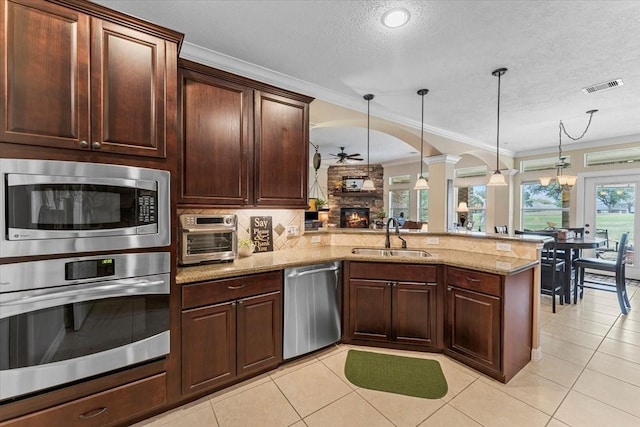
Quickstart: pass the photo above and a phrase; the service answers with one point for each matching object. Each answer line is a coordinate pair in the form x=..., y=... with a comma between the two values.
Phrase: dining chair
x=501, y=229
x=617, y=267
x=610, y=246
x=551, y=268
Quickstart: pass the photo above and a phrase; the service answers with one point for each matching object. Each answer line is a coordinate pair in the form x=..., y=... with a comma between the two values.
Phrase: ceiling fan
x=346, y=158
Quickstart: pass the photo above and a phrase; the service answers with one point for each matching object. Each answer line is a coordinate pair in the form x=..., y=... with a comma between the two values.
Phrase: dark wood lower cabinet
x=223, y=342
x=489, y=320
x=394, y=303
x=108, y=408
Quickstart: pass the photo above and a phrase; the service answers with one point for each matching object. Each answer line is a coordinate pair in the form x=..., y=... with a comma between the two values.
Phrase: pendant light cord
x=422, y=93
x=500, y=73
x=368, y=97
x=563, y=129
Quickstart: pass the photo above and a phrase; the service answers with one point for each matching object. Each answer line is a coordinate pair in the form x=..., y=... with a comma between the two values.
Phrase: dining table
x=572, y=249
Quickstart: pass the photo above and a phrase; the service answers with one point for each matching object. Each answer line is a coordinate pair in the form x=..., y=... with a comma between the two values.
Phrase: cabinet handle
x=84, y=144
x=449, y=288
x=96, y=145
x=471, y=279
x=93, y=413
x=395, y=284
x=237, y=287
x=388, y=284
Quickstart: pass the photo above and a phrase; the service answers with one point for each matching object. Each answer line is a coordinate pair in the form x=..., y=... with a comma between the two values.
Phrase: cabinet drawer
x=103, y=409
x=393, y=271
x=475, y=281
x=213, y=292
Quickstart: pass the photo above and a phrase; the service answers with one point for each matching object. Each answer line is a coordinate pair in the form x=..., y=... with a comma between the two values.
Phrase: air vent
x=603, y=86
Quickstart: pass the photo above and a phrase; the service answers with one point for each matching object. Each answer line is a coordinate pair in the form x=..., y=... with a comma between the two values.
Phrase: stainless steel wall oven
x=63, y=320
x=52, y=207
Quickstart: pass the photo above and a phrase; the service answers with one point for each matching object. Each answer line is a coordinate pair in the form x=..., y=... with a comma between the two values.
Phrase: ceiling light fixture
x=565, y=182
x=497, y=179
x=367, y=185
x=422, y=183
x=396, y=17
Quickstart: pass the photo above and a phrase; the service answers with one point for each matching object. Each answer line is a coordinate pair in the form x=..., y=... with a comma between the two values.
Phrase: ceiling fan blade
x=354, y=155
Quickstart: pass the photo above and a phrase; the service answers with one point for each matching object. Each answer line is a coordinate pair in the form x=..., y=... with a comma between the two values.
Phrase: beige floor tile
x=194, y=414
x=579, y=410
x=600, y=307
x=226, y=393
x=576, y=312
x=263, y=406
x=572, y=335
x=573, y=353
x=350, y=411
x=336, y=363
x=458, y=378
x=292, y=366
x=299, y=424
x=629, y=324
x=312, y=387
x=612, y=391
x=579, y=323
x=534, y=390
x=556, y=423
x=625, y=335
x=401, y=410
x=448, y=416
x=330, y=351
x=620, y=349
x=615, y=367
x=491, y=407
x=555, y=369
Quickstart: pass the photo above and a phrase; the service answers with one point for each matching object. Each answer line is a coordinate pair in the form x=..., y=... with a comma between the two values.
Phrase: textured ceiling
x=337, y=51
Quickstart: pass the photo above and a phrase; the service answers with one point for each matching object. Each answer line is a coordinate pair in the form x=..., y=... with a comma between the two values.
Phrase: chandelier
x=565, y=182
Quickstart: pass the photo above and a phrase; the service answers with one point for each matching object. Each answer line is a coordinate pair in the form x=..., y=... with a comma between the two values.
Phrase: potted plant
x=321, y=204
x=245, y=247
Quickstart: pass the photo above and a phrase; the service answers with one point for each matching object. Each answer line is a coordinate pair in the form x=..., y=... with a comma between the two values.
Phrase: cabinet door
x=208, y=347
x=415, y=312
x=370, y=309
x=473, y=326
x=281, y=151
x=214, y=140
x=44, y=74
x=128, y=90
x=259, y=336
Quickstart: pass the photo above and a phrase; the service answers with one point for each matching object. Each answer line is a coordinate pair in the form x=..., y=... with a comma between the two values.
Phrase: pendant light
x=422, y=183
x=367, y=185
x=497, y=179
x=565, y=182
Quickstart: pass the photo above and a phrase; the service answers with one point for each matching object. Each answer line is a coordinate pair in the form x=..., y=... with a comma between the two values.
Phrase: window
x=423, y=205
x=542, y=207
x=611, y=157
x=398, y=202
x=477, y=197
x=546, y=164
x=400, y=179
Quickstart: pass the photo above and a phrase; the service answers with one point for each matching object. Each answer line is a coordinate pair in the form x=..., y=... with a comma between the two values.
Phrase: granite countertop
x=277, y=260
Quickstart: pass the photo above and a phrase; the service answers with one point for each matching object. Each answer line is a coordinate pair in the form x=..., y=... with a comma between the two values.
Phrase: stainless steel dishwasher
x=312, y=307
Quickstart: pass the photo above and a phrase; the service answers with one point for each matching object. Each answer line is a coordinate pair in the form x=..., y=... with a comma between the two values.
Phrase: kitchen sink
x=408, y=253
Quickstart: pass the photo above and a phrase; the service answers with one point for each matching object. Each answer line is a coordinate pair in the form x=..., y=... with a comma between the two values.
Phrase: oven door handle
x=15, y=303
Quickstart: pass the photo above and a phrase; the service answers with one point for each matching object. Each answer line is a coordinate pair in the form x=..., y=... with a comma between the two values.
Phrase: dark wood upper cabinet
x=76, y=81
x=242, y=143
x=282, y=151
x=215, y=155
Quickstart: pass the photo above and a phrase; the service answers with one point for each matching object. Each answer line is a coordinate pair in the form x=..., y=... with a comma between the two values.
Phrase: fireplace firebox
x=354, y=217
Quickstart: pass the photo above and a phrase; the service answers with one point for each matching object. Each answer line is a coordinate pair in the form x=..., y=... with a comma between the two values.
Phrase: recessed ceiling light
x=396, y=17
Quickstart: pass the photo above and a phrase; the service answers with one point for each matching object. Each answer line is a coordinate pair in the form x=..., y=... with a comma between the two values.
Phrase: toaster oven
x=208, y=238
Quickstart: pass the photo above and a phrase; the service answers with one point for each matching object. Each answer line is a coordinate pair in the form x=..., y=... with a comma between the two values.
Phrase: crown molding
x=233, y=65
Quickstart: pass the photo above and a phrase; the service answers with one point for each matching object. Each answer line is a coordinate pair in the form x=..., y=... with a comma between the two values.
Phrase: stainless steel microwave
x=53, y=207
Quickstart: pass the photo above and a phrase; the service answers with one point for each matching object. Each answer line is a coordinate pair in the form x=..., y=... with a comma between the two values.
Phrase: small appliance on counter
x=208, y=238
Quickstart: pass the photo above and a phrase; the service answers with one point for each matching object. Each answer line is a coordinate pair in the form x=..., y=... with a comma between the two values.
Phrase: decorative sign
x=261, y=233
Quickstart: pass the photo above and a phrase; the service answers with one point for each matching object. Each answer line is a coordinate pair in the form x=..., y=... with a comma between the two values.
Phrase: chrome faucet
x=387, y=242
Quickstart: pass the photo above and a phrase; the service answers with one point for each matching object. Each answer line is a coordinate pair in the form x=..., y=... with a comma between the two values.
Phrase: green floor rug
x=396, y=374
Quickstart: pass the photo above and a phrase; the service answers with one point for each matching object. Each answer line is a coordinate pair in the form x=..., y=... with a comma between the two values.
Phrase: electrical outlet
x=315, y=239
x=433, y=240
x=506, y=247
x=292, y=230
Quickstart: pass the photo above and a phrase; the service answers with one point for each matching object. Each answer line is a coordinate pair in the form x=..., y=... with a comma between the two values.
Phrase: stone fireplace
x=354, y=217
x=343, y=196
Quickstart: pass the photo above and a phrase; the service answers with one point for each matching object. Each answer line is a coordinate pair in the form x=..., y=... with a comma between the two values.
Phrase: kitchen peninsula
x=481, y=283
